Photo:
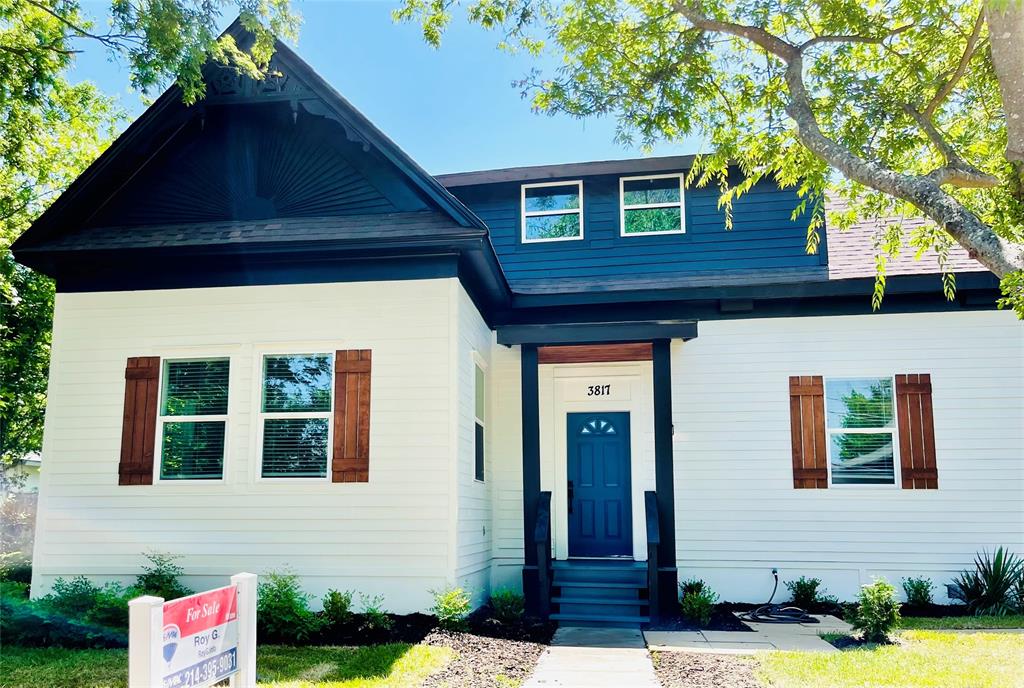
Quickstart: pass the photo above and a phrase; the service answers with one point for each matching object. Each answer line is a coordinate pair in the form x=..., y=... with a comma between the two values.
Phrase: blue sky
x=452, y=109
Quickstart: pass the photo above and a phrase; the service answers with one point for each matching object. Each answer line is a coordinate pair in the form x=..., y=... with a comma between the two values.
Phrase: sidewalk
x=763, y=636
x=595, y=658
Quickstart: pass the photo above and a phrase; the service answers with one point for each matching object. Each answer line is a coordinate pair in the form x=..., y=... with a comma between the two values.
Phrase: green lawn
x=377, y=666
x=929, y=623
x=924, y=659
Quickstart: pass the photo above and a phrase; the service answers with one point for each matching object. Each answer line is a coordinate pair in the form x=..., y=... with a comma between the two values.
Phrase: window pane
x=646, y=191
x=295, y=447
x=479, y=459
x=653, y=220
x=862, y=459
x=479, y=393
x=297, y=383
x=192, y=451
x=193, y=388
x=863, y=403
x=553, y=198
x=553, y=226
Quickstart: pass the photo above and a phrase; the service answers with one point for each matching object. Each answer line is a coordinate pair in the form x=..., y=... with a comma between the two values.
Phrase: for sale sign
x=200, y=639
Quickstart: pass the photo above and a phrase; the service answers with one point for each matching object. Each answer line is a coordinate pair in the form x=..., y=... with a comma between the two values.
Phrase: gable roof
x=160, y=123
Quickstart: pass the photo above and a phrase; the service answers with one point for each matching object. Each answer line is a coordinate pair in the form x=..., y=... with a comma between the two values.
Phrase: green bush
x=282, y=609
x=17, y=573
x=32, y=624
x=806, y=592
x=508, y=605
x=374, y=617
x=879, y=611
x=83, y=600
x=451, y=607
x=990, y=588
x=918, y=591
x=1018, y=592
x=698, y=601
x=160, y=578
x=338, y=607
x=14, y=590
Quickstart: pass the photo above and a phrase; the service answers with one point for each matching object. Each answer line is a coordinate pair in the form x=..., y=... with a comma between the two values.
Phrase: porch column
x=663, y=473
x=531, y=473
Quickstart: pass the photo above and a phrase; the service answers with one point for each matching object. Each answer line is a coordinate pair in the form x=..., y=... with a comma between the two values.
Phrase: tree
x=51, y=129
x=902, y=107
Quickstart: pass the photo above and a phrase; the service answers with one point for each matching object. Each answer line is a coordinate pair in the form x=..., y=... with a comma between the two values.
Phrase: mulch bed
x=722, y=619
x=702, y=670
x=480, y=660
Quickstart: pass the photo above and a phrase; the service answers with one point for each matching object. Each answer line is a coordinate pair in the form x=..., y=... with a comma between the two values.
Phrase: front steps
x=599, y=592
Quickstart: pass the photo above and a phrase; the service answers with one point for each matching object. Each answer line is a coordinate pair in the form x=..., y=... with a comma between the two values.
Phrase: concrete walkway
x=763, y=636
x=595, y=658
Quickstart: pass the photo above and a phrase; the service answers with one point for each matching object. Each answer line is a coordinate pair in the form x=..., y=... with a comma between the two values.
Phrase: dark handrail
x=653, y=540
x=542, y=536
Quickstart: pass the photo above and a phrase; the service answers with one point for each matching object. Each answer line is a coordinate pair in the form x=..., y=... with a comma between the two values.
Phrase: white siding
x=506, y=467
x=473, y=517
x=391, y=536
x=737, y=513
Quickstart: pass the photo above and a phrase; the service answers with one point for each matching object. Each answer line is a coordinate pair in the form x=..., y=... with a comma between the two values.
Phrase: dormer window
x=552, y=211
x=651, y=205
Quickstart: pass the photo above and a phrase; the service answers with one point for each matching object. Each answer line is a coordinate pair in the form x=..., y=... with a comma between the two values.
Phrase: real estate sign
x=200, y=638
x=194, y=641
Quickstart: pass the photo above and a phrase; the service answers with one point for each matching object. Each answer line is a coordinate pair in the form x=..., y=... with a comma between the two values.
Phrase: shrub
x=508, y=605
x=805, y=591
x=375, y=618
x=451, y=607
x=31, y=624
x=338, y=607
x=1018, y=592
x=82, y=600
x=879, y=611
x=282, y=608
x=698, y=601
x=17, y=573
x=160, y=578
x=988, y=589
x=918, y=591
x=13, y=590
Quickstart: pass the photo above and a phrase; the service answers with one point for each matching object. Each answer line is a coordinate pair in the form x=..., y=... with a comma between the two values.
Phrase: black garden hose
x=775, y=613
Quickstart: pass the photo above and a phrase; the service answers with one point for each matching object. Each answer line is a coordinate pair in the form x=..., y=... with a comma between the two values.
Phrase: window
x=861, y=431
x=480, y=407
x=552, y=211
x=652, y=205
x=193, y=419
x=296, y=415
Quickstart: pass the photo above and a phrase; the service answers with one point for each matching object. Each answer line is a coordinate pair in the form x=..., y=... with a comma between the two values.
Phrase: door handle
x=569, y=495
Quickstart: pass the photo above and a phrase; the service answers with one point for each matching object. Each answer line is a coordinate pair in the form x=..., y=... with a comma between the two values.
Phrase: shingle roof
x=681, y=280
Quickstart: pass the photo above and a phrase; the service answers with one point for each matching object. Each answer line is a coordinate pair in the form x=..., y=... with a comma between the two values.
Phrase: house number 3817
x=598, y=390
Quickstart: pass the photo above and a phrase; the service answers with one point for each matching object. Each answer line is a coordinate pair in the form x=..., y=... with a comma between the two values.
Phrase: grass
x=924, y=659
x=376, y=666
x=930, y=623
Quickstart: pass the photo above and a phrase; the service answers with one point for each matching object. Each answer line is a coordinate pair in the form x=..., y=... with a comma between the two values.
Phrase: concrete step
x=598, y=584
x=599, y=620
x=598, y=601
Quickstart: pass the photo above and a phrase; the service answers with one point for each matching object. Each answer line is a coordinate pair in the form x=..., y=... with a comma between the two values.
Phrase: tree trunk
x=1006, y=34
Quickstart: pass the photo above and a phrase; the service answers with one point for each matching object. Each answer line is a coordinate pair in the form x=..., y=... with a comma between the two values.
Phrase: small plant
x=160, y=578
x=282, y=608
x=508, y=605
x=698, y=601
x=338, y=607
x=806, y=592
x=879, y=611
x=1018, y=592
x=918, y=591
x=988, y=589
x=374, y=616
x=451, y=607
x=82, y=600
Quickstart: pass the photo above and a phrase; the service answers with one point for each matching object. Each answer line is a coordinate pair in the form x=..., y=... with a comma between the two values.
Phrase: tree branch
x=818, y=40
x=958, y=73
x=956, y=171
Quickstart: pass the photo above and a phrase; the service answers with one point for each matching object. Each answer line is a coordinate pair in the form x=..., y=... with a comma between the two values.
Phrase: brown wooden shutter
x=917, y=432
x=807, y=421
x=138, y=432
x=351, y=459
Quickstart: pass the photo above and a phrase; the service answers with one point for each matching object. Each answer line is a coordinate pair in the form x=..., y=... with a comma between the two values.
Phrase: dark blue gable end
x=764, y=237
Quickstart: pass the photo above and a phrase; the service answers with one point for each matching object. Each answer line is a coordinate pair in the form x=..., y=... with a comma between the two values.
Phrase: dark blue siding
x=763, y=236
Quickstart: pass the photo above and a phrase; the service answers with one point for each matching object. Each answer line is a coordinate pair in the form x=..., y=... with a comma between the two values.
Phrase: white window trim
x=623, y=207
x=161, y=419
x=261, y=416
x=896, y=463
x=523, y=214
x=479, y=362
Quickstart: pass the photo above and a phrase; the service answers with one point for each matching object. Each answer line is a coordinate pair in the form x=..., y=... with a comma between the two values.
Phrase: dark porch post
x=663, y=474
x=531, y=474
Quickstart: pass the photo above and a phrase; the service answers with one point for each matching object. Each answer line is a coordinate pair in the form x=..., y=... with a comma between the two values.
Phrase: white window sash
x=578, y=212
x=162, y=420
x=624, y=207
x=892, y=431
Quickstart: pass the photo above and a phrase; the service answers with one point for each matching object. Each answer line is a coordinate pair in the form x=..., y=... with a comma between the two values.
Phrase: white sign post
x=194, y=641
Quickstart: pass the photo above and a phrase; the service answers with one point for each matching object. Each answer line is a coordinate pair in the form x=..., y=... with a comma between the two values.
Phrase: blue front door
x=600, y=524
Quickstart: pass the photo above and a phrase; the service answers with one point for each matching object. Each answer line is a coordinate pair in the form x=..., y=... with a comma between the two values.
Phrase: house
x=279, y=342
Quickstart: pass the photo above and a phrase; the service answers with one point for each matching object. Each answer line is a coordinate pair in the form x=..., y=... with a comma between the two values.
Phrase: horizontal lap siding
x=388, y=536
x=763, y=235
x=506, y=467
x=737, y=513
